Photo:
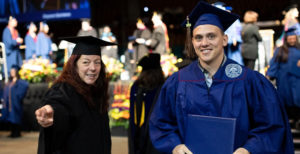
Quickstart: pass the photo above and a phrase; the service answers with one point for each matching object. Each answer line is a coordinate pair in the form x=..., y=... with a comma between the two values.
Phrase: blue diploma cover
x=210, y=135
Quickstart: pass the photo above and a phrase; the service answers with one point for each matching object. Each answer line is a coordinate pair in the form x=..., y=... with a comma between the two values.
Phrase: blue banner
x=44, y=11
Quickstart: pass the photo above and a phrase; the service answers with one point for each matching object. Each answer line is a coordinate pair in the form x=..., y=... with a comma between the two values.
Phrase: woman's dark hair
x=96, y=95
x=17, y=74
x=150, y=79
x=283, y=52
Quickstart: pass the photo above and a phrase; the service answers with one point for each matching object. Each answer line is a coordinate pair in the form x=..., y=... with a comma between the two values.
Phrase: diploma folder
x=210, y=135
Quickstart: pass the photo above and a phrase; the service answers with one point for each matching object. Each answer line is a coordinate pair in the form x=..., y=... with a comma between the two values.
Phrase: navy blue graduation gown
x=286, y=80
x=236, y=92
x=13, y=55
x=30, y=47
x=13, y=101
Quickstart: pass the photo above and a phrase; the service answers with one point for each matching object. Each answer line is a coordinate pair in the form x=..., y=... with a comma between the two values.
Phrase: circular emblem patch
x=233, y=70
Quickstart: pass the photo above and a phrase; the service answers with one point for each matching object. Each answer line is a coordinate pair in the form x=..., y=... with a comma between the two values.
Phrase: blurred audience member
x=43, y=47
x=14, y=92
x=283, y=68
x=291, y=14
x=11, y=40
x=137, y=50
x=30, y=42
x=159, y=41
x=87, y=29
x=232, y=50
x=107, y=35
x=250, y=37
x=143, y=95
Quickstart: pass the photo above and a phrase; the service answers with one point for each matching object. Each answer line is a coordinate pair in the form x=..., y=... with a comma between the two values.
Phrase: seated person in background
x=87, y=29
x=107, y=35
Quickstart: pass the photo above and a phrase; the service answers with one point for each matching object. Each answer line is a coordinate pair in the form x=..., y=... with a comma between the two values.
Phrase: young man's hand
x=241, y=151
x=181, y=149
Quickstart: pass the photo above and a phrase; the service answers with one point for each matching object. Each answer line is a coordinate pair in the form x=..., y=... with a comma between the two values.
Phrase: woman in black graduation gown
x=143, y=96
x=74, y=119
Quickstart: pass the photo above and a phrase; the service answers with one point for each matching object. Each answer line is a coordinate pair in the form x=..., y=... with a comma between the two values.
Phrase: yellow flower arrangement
x=167, y=63
x=119, y=114
x=114, y=67
x=38, y=70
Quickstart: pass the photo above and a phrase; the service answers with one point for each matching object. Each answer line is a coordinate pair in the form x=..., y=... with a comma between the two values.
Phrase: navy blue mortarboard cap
x=205, y=13
x=229, y=8
x=16, y=67
x=150, y=61
x=291, y=6
x=28, y=25
x=11, y=18
x=291, y=31
x=87, y=45
x=219, y=3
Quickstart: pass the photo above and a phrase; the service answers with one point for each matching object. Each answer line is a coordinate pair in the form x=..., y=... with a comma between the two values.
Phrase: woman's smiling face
x=88, y=68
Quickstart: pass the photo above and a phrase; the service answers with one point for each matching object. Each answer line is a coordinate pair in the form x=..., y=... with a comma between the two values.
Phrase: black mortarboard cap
x=87, y=45
x=205, y=13
x=150, y=61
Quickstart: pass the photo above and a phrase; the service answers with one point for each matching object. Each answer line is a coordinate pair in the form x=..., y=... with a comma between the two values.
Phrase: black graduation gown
x=77, y=129
x=139, y=140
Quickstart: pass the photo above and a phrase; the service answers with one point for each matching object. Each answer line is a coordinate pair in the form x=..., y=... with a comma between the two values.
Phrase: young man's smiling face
x=209, y=42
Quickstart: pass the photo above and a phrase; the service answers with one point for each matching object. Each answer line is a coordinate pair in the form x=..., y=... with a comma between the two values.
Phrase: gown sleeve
x=273, y=69
x=22, y=88
x=9, y=42
x=52, y=138
x=270, y=131
x=163, y=127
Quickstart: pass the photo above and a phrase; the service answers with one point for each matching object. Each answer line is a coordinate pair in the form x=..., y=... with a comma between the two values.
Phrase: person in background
x=87, y=29
x=218, y=87
x=107, y=35
x=14, y=92
x=12, y=41
x=143, y=95
x=159, y=41
x=30, y=42
x=136, y=51
x=43, y=44
x=291, y=13
x=250, y=37
x=281, y=69
x=75, y=112
x=142, y=32
x=232, y=50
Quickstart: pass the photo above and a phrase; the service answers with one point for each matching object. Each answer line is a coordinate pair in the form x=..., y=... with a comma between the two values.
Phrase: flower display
x=167, y=63
x=119, y=112
x=38, y=70
x=114, y=67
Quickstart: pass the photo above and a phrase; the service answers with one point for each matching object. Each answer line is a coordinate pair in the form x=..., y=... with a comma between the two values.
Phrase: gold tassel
x=188, y=24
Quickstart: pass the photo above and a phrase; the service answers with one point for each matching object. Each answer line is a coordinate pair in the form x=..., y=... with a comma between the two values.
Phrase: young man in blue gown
x=216, y=86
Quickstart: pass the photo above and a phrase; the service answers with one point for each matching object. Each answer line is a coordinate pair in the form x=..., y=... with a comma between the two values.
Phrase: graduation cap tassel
x=188, y=24
x=189, y=51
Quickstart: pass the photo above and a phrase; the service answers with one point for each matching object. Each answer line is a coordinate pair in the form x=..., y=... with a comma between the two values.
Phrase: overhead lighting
x=146, y=9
